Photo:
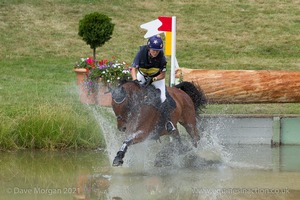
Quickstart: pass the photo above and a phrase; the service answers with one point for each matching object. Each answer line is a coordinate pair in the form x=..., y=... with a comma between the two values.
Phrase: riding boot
x=166, y=109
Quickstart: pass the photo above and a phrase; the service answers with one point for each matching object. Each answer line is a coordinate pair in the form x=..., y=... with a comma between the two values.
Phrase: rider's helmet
x=155, y=42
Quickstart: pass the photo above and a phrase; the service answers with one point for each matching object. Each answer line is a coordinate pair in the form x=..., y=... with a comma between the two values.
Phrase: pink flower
x=90, y=60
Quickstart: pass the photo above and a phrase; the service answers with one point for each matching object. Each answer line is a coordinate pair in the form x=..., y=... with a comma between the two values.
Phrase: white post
x=173, y=56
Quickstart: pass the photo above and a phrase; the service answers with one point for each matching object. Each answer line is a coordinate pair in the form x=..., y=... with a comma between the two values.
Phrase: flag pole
x=173, y=55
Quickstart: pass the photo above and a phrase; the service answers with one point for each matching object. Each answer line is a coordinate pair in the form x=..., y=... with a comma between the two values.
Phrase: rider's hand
x=148, y=82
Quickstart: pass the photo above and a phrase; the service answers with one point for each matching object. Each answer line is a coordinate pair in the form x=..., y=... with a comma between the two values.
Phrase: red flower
x=103, y=62
x=90, y=60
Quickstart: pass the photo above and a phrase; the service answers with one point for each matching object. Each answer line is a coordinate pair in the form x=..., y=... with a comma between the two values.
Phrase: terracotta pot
x=104, y=96
x=84, y=95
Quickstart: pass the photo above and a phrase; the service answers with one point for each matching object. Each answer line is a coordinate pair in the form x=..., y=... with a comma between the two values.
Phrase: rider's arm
x=135, y=65
x=133, y=73
x=161, y=76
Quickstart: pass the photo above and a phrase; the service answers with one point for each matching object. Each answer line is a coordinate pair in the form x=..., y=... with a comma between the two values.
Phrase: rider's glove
x=148, y=82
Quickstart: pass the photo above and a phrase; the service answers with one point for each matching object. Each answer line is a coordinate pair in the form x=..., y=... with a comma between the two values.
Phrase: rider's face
x=153, y=53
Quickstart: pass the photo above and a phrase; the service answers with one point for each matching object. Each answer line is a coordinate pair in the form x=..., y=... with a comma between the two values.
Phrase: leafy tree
x=95, y=29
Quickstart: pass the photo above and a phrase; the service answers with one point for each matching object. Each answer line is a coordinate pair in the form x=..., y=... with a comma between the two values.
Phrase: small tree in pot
x=95, y=29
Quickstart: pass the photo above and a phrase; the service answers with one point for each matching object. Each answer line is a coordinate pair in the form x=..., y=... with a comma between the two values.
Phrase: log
x=245, y=86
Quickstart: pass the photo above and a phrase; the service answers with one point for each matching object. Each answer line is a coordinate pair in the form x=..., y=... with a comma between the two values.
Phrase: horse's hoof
x=117, y=162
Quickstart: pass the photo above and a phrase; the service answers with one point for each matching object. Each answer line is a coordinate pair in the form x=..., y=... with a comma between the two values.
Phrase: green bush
x=95, y=29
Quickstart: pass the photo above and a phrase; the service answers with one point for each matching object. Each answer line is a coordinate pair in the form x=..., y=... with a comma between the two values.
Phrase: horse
x=140, y=115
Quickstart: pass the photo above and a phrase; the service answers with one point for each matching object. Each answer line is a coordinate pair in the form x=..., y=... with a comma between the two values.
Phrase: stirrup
x=170, y=126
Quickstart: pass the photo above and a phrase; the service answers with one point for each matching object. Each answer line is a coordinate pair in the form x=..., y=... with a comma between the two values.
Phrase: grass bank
x=40, y=108
x=39, y=46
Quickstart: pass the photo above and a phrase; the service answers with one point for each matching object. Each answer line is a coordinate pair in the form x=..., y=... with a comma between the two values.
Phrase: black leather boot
x=167, y=117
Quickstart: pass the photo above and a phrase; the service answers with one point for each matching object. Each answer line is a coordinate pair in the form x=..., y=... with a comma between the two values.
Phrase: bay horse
x=139, y=112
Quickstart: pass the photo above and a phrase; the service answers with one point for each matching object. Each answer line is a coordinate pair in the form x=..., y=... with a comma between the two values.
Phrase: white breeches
x=160, y=84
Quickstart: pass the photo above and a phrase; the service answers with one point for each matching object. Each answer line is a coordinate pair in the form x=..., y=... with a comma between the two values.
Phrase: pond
x=153, y=170
x=249, y=173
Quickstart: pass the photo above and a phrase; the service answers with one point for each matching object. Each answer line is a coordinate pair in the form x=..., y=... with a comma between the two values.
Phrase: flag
x=166, y=24
x=161, y=25
x=152, y=28
x=167, y=28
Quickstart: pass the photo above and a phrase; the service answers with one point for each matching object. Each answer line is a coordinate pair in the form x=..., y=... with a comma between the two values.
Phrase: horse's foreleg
x=132, y=139
x=175, y=134
x=121, y=153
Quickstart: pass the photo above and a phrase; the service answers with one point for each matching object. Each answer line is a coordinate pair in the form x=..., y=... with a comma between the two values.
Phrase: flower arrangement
x=103, y=71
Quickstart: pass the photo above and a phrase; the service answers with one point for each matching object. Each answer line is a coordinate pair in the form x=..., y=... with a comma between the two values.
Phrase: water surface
x=250, y=173
x=212, y=171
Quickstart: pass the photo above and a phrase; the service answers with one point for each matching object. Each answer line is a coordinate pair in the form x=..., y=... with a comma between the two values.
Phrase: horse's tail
x=196, y=94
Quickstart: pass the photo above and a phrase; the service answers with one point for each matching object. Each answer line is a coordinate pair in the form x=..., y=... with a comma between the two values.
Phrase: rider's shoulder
x=143, y=47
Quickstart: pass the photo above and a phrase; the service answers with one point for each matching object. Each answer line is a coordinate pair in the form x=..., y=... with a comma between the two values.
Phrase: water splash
x=211, y=151
x=144, y=155
x=106, y=121
x=139, y=156
x=191, y=174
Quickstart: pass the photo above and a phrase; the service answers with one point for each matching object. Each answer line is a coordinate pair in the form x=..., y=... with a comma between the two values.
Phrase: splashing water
x=207, y=172
x=144, y=155
x=139, y=156
x=113, y=140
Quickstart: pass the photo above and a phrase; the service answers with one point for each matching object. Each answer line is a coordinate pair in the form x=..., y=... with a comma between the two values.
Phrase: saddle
x=153, y=98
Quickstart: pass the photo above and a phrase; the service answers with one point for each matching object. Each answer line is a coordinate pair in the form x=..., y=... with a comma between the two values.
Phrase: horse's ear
x=119, y=95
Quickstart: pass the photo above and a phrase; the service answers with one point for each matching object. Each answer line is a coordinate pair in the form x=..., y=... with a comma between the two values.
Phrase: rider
x=149, y=66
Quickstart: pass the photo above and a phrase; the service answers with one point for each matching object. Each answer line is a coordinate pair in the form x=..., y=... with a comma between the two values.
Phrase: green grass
x=40, y=108
x=39, y=46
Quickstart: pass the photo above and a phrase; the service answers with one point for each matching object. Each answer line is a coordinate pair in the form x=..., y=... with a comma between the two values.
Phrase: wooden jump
x=245, y=86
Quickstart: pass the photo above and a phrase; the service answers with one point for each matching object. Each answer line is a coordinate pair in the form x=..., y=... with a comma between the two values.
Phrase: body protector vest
x=149, y=66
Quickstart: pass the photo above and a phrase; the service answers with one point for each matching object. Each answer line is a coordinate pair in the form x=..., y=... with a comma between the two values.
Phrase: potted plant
x=95, y=29
x=100, y=75
x=81, y=70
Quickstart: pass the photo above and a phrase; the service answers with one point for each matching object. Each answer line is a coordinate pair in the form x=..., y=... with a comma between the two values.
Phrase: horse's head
x=134, y=104
x=122, y=102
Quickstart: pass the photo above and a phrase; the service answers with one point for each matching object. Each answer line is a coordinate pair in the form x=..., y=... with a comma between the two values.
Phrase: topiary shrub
x=95, y=29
